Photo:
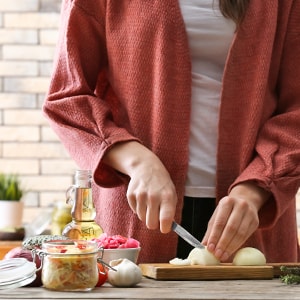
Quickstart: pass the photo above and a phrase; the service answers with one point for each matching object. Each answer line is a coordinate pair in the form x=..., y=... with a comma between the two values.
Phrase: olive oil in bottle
x=79, y=195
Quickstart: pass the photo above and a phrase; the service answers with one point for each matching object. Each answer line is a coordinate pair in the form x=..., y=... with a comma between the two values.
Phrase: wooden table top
x=5, y=246
x=154, y=289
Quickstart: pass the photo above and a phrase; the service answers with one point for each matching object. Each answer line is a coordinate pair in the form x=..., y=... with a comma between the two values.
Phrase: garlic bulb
x=126, y=273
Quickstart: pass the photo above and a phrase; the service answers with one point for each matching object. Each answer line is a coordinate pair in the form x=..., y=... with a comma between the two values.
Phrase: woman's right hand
x=151, y=193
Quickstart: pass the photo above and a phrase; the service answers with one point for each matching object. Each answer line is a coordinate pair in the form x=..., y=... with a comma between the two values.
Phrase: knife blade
x=184, y=234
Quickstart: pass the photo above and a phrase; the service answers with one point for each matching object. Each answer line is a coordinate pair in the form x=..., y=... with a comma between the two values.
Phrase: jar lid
x=16, y=272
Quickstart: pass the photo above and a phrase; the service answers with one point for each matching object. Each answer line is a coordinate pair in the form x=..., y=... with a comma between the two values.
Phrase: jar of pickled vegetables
x=69, y=265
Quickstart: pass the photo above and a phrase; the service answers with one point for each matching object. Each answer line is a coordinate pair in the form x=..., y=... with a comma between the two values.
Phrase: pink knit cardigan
x=122, y=72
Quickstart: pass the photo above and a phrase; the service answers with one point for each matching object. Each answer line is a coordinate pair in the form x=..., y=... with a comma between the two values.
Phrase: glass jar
x=69, y=265
x=60, y=218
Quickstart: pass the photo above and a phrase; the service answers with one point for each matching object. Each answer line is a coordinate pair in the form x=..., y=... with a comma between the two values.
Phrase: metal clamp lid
x=16, y=272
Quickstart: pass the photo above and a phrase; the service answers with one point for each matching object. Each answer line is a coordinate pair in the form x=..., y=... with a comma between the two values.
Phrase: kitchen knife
x=184, y=234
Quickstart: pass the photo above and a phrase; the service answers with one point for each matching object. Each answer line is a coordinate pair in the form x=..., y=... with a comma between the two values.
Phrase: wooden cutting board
x=165, y=271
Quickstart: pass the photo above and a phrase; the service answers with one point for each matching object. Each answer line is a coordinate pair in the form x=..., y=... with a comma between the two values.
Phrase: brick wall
x=28, y=33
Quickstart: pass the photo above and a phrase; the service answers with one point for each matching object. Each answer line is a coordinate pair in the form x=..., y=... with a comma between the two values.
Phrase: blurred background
x=28, y=147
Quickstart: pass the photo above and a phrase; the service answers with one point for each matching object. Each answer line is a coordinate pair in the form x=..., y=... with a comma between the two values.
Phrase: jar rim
x=65, y=247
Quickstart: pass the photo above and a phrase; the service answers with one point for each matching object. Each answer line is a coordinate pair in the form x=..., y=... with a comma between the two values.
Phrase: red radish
x=116, y=241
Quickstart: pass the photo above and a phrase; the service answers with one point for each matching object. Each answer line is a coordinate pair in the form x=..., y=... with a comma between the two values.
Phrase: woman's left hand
x=234, y=220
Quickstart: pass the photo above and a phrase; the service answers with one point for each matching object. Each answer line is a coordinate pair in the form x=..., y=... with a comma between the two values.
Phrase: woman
x=171, y=127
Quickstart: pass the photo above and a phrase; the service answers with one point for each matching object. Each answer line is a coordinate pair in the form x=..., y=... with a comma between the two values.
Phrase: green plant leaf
x=10, y=187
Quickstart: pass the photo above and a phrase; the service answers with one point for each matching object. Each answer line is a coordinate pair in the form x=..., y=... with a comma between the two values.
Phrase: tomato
x=102, y=276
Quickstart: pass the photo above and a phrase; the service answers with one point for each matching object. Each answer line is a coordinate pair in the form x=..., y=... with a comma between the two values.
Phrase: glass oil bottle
x=83, y=212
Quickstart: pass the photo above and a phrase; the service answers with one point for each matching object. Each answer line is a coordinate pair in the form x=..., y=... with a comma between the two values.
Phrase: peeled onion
x=180, y=262
x=249, y=256
x=202, y=257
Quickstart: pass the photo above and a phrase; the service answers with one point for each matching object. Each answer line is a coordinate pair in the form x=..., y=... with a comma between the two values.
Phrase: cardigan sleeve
x=276, y=166
x=77, y=104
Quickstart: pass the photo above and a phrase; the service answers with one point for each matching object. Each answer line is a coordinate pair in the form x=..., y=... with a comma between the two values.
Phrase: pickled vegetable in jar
x=69, y=265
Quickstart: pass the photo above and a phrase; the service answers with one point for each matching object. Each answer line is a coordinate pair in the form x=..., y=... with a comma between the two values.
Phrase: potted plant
x=11, y=206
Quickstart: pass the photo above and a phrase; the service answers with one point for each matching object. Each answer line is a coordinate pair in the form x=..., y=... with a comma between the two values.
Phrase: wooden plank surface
x=163, y=271
x=176, y=290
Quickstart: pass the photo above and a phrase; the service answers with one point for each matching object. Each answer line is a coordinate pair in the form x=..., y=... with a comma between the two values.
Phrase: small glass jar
x=69, y=265
x=60, y=218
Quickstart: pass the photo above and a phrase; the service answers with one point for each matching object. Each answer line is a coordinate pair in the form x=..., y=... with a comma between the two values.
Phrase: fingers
x=167, y=211
x=156, y=209
x=233, y=221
